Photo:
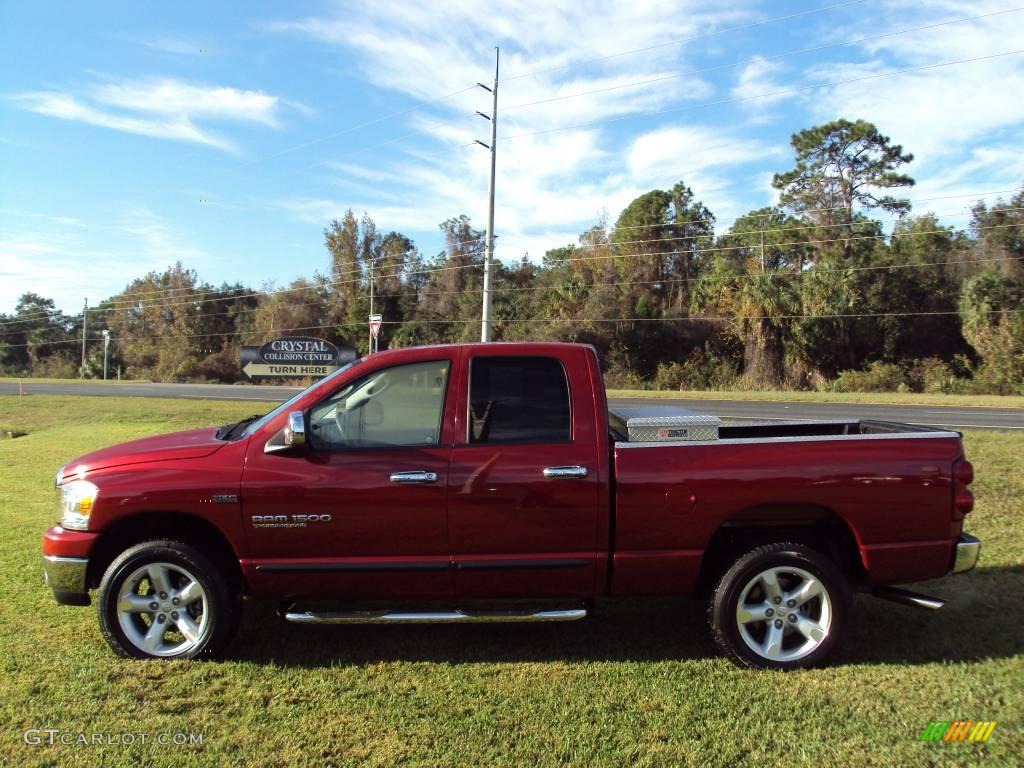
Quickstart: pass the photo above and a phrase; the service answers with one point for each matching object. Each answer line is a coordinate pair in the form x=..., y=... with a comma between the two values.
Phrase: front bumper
x=66, y=577
x=967, y=550
x=66, y=562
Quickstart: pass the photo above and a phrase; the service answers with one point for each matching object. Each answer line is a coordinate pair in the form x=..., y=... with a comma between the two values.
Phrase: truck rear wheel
x=165, y=600
x=780, y=606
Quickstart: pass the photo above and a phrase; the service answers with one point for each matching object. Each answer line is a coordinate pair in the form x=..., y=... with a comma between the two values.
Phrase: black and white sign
x=294, y=356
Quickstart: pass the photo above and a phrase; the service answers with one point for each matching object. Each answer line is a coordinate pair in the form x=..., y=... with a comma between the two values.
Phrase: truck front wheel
x=780, y=606
x=164, y=600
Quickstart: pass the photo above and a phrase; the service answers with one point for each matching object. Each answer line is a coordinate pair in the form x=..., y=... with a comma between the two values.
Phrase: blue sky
x=118, y=120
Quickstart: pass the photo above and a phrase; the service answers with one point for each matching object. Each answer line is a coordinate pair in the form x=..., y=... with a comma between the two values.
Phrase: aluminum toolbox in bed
x=662, y=424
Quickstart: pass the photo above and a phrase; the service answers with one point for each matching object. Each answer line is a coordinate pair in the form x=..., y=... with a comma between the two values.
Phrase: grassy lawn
x=44, y=380
x=638, y=684
x=867, y=398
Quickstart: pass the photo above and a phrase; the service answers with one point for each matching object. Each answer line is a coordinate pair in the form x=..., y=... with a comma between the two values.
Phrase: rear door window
x=518, y=400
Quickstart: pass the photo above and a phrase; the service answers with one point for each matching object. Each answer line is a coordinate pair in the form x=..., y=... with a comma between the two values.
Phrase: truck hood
x=191, y=444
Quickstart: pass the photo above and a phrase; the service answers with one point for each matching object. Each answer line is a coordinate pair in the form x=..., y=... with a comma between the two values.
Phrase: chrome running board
x=428, y=617
x=906, y=597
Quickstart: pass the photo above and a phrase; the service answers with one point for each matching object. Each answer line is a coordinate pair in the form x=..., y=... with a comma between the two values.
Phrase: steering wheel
x=369, y=390
x=339, y=417
x=372, y=388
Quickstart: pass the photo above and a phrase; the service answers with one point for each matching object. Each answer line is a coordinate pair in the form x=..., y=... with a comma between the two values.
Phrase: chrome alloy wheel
x=784, y=613
x=163, y=609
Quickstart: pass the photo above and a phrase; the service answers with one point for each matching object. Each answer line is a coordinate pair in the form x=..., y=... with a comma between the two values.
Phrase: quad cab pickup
x=486, y=482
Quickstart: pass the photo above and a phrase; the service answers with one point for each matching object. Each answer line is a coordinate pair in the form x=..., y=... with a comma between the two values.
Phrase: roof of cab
x=534, y=345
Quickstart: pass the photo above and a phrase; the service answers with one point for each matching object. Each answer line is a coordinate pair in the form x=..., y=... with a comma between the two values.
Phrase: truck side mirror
x=293, y=435
x=295, y=431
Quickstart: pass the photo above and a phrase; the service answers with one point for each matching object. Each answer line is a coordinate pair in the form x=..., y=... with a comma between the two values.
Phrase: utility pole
x=762, y=244
x=85, y=311
x=106, y=346
x=485, y=329
x=370, y=348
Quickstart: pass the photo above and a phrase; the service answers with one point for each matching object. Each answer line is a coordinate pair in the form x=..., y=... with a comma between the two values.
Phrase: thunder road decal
x=287, y=521
x=959, y=730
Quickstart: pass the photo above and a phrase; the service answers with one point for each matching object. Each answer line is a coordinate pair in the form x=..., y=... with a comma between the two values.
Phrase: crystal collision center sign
x=294, y=356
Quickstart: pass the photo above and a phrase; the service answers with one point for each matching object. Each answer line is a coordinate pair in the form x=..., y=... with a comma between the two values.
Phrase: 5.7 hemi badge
x=287, y=521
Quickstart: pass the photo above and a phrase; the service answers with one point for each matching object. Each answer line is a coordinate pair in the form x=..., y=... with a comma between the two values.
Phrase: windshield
x=288, y=403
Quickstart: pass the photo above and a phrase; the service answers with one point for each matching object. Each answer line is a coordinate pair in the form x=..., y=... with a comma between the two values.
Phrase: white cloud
x=174, y=45
x=434, y=48
x=937, y=113
x=691, y=148
x=174, y=97
x=758, y=87
x=160, y=108
x=62, y=263
x=562, y=71
x=568, y=142
x=66, y=107
x=705, y=158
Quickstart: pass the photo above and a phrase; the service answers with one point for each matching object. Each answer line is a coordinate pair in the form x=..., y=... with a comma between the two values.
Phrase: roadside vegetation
x=796, y=396
x=842, y=287
x=636, y=684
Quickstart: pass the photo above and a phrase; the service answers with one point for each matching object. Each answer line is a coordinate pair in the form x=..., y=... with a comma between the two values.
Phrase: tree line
x=812, y=293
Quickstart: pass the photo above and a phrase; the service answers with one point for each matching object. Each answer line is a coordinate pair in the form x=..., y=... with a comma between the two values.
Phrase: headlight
x=76, y=501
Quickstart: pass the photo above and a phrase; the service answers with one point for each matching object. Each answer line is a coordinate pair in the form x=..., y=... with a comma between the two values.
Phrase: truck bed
x=802, y=428
x=883, y=480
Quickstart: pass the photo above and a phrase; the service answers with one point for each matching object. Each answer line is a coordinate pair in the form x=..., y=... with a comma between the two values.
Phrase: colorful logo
x=960, y=730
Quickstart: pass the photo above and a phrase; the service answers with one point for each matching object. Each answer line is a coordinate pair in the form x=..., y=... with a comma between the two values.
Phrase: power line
x=394, y=140
x=752, y=276
x=173, y=301
x=560, y=262
x=715, y=220
x=666, y=281
x=783, y=92
x=801, y=228
x=342, y=132
x=722, y=249
x=681, y=40
x=689, y=319
x=370, y=148
x=216, y=294
x=773, y=57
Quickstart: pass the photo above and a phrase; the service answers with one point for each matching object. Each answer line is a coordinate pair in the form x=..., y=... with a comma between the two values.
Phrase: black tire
x=762, y=643
x=210, y=619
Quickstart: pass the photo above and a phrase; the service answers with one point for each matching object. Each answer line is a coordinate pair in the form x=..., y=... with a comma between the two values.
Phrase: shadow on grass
x=978, y=622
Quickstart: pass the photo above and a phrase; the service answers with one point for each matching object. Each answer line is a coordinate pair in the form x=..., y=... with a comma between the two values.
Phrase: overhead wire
x=681, y=40
x=155, y=299
x=352, y=128
x=216, y=294
x=769, y=58
x=782, y=92
x=572, y=320
x=611, y=256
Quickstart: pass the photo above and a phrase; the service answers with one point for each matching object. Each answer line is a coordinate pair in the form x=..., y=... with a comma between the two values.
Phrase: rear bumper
x=967, y=550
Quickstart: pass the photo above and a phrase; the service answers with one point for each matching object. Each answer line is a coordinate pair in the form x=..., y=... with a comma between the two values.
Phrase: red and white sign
x=375, y=321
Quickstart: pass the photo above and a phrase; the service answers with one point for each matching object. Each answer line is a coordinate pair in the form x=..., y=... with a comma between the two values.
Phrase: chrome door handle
x=410, y=478
x=565, y=473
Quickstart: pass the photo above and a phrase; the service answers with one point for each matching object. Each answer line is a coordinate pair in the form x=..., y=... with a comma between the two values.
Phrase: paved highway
x=940, y=416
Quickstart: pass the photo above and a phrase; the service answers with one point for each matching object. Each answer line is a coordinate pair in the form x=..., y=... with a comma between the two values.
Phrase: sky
x=227, y=136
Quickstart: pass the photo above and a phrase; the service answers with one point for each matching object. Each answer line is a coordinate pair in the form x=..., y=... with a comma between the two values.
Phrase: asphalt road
x=939, y=416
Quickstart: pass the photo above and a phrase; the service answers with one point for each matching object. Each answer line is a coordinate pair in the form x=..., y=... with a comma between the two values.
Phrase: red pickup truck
x=486, y=482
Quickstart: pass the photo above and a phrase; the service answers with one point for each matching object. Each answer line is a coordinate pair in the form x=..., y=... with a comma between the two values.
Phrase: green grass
x=873, y=398
x=638, y=684
x=76, y=380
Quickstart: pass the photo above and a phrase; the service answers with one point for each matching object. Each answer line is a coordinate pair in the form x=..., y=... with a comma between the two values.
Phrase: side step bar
x=428, y=617
x=906, y=597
